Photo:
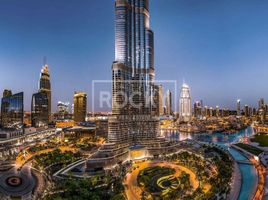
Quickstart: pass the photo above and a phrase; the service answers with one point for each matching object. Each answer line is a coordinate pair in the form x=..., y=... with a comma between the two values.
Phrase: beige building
x=80, y=107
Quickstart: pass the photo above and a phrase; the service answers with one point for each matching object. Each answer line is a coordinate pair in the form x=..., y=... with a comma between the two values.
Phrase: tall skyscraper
x=206, y=111
x=161, y=106
x=262, y=110
x=217, y=113
x=133, y=120
x=247, y=111
x=39, y=107
x=45, y=86
x=135, y=96
x=80, y=107
x=198, y=109
x=210, y=112
x=12, y=111
x=168, y=102
x=261, y=104
x=155, y=110
x=185, y=106
x=238, y=107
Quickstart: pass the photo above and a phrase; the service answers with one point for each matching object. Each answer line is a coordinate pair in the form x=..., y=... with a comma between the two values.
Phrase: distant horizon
x=218, y=48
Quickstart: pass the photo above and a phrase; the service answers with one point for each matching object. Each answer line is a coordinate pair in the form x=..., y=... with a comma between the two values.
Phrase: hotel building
x=185, y=106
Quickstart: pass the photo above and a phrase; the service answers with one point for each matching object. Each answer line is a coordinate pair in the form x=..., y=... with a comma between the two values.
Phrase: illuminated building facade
x=63, y=107
x=161, y=107
x=262, y=112
x=217, y=113
x=134, y=118
x=261, y=104
x=134, y=124
x=210, y=112
x=247, y=111
x=198, y=109
x=238, y=109
x=39, y=107
x=7, y=93
x=185, y=106
x=12, y=110
x=168, y=103
x=45, y=86
x=80, y=107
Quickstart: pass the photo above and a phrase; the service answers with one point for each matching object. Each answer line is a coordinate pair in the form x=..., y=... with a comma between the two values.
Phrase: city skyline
x=186, y=58
x=170, y=117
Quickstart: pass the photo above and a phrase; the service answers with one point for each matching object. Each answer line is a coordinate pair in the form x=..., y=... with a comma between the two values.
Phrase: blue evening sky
x=219, y=47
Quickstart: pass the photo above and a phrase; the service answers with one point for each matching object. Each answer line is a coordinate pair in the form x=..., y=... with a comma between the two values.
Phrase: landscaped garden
x=85, y=146
x=55, y=159
x=95, y=188
x=262, y=139
x=251, y=149
x=162, y=182
x=214, y=173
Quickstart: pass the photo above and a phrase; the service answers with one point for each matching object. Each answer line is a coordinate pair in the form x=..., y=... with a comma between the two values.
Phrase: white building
x=63, y=107
x=168, y=103
x=185, y=104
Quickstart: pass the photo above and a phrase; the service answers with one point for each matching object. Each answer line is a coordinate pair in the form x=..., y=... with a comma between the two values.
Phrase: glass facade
x=39, y=107
x=12, y=111
x=45, y=86
x=133, y=37
x=80, y=107
x=135, y=96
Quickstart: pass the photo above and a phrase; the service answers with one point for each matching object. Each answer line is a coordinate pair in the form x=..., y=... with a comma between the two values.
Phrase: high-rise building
x=39, y=107
x=161, y=106
x=206, y=111
x=248, y=111
x=262, y=110
x=254, y=111
x=217, y=113
x=198, y=109
x=133, y=120
x=63, y=107
x=185, y=108
x=80, y=107
x=155, y=110
x=261, y=103
x=168, y=103
x=45, y=86
x=12, y=110
x=7, y=93
x=210, y=112
x=238, y=109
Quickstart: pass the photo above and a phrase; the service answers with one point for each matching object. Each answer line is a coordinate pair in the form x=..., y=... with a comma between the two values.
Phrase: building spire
x=45, y=60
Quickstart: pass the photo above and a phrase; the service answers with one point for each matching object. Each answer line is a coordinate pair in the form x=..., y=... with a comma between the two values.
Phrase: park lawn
x=251, y=149
x=262, y=139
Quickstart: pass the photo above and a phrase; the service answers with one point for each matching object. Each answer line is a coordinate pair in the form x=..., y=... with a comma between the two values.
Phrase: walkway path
x=236, y=183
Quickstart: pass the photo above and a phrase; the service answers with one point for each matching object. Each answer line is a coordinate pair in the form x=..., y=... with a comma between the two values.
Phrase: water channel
x=248, y=172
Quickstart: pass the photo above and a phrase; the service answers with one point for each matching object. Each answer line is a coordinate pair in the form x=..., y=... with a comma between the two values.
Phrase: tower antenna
x=45, y=60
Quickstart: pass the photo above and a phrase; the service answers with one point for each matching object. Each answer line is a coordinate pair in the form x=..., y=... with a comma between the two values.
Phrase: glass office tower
x=45, y=86
x=12, y=111
x=80, y=107
x=39, y=107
